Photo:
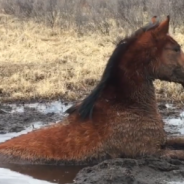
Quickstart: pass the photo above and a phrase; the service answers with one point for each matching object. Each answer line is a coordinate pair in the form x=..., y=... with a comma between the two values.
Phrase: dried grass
x=38, y=62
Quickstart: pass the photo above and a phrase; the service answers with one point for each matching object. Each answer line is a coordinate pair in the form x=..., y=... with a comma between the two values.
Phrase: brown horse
x=120, y=117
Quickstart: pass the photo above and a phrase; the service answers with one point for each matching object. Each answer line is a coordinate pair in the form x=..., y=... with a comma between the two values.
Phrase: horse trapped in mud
x=120, y=117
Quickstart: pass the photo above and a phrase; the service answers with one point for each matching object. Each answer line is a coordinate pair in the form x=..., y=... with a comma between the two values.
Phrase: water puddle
x=17, y=178
x=174, y=123
x=53, y=107
x=39, y=174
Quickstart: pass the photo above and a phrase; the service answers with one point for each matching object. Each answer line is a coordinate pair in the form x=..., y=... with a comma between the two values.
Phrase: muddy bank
x=19, y=121
x=130, y=171
x=17, y=117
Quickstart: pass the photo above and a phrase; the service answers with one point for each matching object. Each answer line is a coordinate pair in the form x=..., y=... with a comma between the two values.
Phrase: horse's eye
x=177, y=49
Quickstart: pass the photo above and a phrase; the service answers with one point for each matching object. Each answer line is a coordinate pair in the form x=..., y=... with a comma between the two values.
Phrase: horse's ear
x=163, y=27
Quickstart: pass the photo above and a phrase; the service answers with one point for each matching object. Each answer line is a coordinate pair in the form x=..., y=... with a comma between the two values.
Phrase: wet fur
x=118, y=119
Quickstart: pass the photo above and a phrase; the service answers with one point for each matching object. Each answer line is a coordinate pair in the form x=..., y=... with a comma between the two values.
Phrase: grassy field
x=41, y=63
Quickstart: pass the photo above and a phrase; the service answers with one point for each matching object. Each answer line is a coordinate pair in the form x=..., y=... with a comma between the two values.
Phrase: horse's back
x=66, y=141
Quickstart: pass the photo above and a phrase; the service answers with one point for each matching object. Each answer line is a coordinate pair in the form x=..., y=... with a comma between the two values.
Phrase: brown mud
x=17, y=117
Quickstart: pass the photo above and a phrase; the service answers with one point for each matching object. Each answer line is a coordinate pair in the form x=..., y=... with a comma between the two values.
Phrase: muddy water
x=28, y=174
x=20, y=119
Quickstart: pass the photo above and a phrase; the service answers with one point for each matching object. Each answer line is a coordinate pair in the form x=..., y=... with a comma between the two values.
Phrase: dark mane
x=85, y=109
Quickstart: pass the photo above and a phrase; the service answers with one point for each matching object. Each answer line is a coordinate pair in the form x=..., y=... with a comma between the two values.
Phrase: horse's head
x=158, y=54
x=149, y=54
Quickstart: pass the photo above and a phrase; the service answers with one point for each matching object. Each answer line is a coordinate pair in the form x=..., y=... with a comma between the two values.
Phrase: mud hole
x=16, y=119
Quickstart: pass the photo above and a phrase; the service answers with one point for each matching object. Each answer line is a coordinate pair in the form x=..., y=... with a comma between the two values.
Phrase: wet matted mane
x=85, y=109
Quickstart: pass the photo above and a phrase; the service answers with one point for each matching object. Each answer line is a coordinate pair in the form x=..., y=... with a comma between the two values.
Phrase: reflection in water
x=11, y=177
x=53, y=174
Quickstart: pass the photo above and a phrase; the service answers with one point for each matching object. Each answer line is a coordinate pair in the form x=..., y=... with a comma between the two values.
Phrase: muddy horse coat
x=120, y=117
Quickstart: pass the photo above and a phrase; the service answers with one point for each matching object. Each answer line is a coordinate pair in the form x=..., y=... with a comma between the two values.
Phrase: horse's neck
x=140, y=97
x=144, y=98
